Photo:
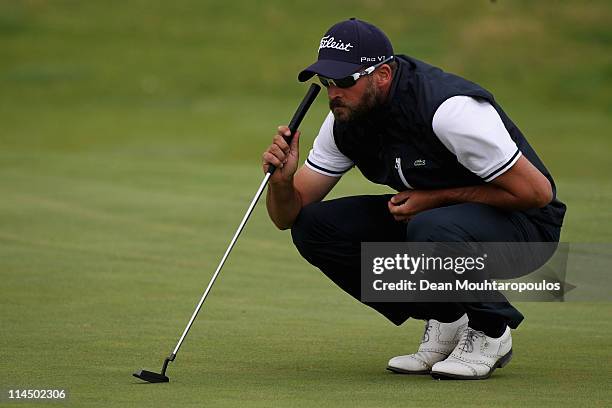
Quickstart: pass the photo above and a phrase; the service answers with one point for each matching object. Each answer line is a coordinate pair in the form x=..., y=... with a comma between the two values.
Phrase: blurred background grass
x=130, y=142
x=208, y=81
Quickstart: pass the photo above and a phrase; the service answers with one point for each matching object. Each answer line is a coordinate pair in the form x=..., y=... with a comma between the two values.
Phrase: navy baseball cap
x=346, y=47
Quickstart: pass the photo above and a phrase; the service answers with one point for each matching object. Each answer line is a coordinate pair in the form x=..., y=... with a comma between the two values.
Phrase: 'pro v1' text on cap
x=346, y=47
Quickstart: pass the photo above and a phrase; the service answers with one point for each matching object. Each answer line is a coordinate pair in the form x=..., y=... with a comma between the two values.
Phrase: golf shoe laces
x=467, y=340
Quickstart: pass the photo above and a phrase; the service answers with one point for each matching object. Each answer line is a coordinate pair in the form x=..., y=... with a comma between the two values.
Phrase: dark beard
x=371, y=100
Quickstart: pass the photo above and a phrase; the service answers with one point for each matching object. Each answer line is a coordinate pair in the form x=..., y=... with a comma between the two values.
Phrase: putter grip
x=299, y=114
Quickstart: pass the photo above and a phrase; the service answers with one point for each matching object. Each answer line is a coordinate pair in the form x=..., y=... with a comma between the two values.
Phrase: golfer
x=463, y=172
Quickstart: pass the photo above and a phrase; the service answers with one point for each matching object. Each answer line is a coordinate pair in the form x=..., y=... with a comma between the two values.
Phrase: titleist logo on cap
x=330, y=42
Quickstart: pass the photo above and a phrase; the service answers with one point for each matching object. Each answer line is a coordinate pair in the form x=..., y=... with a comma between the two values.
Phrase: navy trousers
x=328, y=235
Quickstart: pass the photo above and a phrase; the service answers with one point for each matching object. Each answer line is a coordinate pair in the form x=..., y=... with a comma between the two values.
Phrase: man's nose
x=333, y=91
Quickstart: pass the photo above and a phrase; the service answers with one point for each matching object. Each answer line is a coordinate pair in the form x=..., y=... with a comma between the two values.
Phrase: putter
x=153, y=377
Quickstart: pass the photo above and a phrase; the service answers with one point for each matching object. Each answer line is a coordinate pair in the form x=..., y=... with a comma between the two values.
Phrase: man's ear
x=384, y=74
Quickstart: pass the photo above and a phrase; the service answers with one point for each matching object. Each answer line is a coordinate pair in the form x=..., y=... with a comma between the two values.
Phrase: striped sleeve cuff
x=323, y=170
x=503, y=168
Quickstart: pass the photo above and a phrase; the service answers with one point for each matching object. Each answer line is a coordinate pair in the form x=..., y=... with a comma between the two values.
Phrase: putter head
x=150, y=376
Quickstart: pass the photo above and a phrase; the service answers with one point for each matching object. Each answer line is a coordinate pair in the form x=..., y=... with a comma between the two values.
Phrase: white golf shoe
x=439, y=340
x=475, y=357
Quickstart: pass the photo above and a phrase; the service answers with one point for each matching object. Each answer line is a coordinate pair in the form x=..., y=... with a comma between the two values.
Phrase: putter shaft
x=299, y=114
x=227, y=252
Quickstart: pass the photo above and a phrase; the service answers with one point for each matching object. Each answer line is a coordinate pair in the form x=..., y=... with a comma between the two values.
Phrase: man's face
x=349, y=104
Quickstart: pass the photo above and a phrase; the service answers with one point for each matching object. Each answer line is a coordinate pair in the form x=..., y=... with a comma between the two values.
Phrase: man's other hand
x=406, y=204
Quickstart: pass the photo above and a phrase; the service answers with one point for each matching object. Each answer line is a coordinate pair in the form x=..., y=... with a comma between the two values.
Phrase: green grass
x=129, y=149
